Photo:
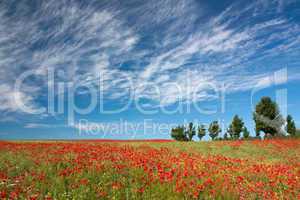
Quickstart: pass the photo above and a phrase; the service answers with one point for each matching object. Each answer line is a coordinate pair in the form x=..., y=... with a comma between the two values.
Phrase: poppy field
x=255, y=169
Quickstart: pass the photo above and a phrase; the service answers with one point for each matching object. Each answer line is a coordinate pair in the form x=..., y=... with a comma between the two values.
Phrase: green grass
x=298, y=133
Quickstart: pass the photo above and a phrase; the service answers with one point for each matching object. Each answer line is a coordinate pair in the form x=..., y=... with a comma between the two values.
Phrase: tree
x=225, y=136
x=267, y=117
x=246, y=133
x=236, y=127
x=201, y=131
x=179, y=134
x=230, y=131
x=290, y=127
x=214, y=130
x=191, y=132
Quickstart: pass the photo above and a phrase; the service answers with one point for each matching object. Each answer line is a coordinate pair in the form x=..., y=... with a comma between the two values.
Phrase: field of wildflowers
x=267, y=169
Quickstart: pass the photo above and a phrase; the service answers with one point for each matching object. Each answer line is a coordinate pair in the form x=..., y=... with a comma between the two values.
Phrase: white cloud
x=167, y=43
x=10, y=99
x=41, y=125
x=95, y=34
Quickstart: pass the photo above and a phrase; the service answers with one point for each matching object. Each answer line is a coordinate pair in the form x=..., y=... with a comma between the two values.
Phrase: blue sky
x=164, y=62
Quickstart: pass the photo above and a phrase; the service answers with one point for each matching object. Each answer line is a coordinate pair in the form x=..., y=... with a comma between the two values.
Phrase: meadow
x=268, y=169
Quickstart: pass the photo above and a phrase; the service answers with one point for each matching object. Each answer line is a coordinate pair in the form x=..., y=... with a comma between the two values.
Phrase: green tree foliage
x=191, y=132
x=230, y=131
x=290, y=127
x=179, y=133
x=214, y=130
x=246, y=133
x=201, y=131
x=225, y=136
x=236, y=127
x=267, y=117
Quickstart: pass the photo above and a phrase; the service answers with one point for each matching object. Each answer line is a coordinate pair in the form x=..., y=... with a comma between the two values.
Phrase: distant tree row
x=182, y=133
x=267, y=119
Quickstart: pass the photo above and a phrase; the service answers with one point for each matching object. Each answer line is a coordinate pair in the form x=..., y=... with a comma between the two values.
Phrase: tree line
x=266, y=116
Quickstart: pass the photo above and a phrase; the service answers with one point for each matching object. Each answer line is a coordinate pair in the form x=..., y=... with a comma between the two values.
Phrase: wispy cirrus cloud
x=57, y=36
x=132, y=46
x=228, y=49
